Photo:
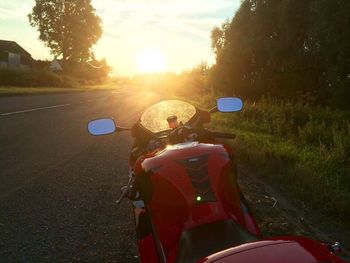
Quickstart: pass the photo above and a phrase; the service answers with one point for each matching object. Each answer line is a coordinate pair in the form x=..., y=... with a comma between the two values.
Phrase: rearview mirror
x=229, y=104
x=101, y=127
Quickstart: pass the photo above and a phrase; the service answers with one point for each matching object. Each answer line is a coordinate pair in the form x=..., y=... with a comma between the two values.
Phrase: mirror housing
x=101, y=127
x=229, y=104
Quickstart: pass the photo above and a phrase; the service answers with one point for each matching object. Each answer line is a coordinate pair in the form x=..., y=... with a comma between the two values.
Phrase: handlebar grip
x=224, y=135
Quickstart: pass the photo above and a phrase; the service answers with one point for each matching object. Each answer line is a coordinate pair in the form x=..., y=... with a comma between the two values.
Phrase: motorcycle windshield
x=155, y=117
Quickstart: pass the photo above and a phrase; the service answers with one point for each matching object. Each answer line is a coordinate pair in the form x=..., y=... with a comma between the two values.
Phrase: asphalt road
x=58, y=184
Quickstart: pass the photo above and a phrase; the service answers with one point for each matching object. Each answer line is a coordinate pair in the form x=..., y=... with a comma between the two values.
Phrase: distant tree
x=68, y=28
x=218, y=37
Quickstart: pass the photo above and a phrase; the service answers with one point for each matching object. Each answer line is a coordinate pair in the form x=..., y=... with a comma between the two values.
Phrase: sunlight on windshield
x=155, y=117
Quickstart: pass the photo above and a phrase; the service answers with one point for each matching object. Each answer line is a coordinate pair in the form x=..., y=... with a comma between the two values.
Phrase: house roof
x=55, y=65
x=13, y=47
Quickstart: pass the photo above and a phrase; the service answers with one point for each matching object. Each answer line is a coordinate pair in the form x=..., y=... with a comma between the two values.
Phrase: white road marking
x=56, y=106
x=35, y=109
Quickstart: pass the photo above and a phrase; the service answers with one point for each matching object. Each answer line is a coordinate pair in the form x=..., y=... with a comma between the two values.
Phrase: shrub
x=305, y=148
x=34, y=78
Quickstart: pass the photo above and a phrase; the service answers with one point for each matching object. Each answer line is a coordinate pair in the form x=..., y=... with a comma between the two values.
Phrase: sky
x=179, y=30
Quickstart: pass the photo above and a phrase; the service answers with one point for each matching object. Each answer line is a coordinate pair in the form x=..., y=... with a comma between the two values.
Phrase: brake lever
x=123, y=194
x=126, y=189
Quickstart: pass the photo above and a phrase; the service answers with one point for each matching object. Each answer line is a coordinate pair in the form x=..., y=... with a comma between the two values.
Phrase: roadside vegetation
x=305, y=149
x=35, y=78
x=39, y=81
x=14, y=91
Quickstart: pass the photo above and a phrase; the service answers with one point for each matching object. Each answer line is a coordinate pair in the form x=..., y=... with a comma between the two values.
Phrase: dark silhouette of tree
x=68, y=27
x=329, y=43
x=284, y=48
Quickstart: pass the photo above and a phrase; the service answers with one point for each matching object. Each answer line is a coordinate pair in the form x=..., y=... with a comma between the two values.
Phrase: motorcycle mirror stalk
x=119, y=128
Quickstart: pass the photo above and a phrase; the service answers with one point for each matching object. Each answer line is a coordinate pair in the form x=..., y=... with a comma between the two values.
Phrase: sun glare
x=151, y=60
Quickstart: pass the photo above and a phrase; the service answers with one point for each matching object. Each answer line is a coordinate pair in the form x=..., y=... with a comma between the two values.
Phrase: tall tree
x=68, y=27
x=329, y=42
x=285, y=48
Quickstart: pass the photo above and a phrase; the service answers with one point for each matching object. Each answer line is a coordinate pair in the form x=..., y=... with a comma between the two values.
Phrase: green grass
x=14, y=91
x=303, y=148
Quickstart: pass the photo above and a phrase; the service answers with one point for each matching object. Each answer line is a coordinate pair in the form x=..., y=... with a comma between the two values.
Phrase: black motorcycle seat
x=204, y=240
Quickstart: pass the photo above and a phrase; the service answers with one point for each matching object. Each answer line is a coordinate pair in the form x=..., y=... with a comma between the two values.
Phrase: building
x=55, y=66
x=14, y=56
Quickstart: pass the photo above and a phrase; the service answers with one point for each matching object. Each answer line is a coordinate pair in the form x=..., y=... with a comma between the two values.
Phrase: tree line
x=285, y=49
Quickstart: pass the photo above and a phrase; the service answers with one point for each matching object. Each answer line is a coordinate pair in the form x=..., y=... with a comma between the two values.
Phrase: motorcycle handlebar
x=223, y=135
x=182, y=133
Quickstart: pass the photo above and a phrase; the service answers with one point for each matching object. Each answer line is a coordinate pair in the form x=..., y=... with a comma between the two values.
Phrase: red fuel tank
x=189, y=184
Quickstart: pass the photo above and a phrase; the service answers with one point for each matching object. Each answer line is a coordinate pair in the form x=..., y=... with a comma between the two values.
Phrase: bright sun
x=151, y=60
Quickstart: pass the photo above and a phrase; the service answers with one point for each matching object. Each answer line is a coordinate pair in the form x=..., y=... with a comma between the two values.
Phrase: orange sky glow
x=175, y=32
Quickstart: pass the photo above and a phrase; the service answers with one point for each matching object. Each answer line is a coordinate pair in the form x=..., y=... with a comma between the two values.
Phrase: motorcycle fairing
x=173, y=190
x=276, y=250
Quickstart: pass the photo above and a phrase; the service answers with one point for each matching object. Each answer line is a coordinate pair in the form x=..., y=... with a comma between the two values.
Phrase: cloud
x=188, y=16
x=15, y=10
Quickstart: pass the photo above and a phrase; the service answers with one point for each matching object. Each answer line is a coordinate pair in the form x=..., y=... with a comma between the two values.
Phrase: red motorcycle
x=187, y=203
